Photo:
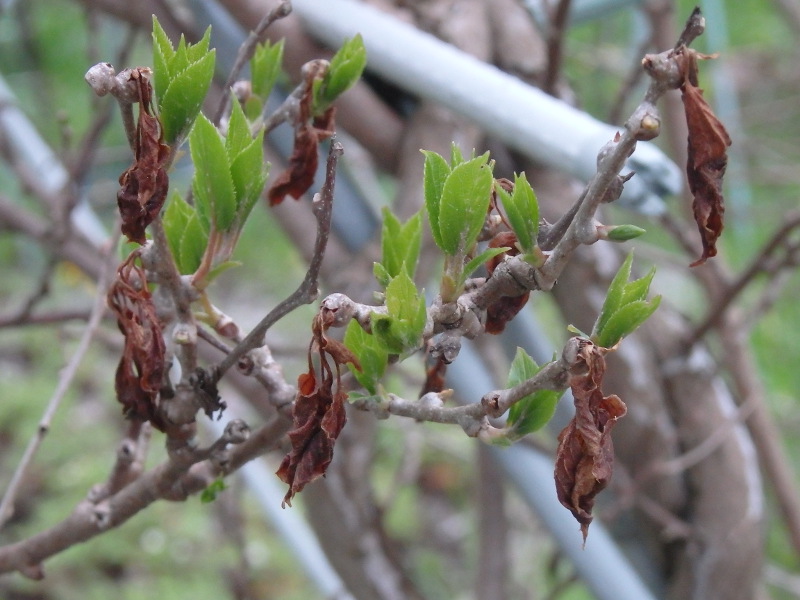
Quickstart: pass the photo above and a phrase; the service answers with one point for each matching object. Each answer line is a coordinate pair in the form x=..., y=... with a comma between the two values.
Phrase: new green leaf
x=625, y=321
x=522, y=211
x=371, y=355
x=534, y=410
x=345, y=69
x=464, y=204
x=265, y=66
x=625, y=307
x=401, y=329
x=400, y=244
x=434, y=175
x=214, y=192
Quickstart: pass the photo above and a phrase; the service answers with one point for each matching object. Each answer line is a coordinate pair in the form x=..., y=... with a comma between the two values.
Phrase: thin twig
x=308, y=289
x=247, y=49
x=65, y=380
x=48, y=318
x=759, y=264
x=556, y=34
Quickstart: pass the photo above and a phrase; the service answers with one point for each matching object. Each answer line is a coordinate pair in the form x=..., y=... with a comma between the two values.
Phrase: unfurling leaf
x=625, y=307
x=319, y=412
x=309, y=131
x=464, y=203
x=400, y=245
x=145, y=183
x=522, y=211
x=434, y=174
x=707, y=156
x=214, y=193
x=344, y=71
x=181, y=78
x=585, y=455
x=141, y=368
x=371, y=354
x=401, y=328
x=265, y=66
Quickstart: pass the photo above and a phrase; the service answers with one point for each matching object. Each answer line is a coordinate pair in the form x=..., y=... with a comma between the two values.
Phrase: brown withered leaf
x=141, y=368
x=319, y=412
x=501, y=311
x=308, y=133
x=434, y=376
x=145, y=183
x=707, y=156
x=585, y=455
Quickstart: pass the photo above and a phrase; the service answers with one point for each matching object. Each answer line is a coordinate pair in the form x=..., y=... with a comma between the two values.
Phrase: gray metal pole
x=542, y=127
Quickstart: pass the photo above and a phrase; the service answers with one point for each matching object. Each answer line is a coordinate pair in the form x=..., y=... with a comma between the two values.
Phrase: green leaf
x=625, y=321
x=639, y=288
x=401, y=329
x=522, y=211
x=220, y=269
x=400, y=244
x=163, y=53
x=534, y=410
x=249, y=174
x=265, y=66
x=214, y=194
x=192, y=246
x=371, y=354
x=613, y=300
x=239, y=136
x=484, y=256
x=381, y=274
x=195, y=52
x=183, y=97
x=176, y=216
x=209, y=494
x=434, y=175
x=465, y=201
x=345, y=70
x=456, y=158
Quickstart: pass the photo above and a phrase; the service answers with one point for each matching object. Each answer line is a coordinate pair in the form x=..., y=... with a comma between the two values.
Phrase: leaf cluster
x=229, y=176
x=625, y=307
x=181, y=78
x=344, y=71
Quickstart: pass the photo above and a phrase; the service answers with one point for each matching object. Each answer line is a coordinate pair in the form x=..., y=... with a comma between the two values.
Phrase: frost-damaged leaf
x=707, y=156
x=141, y=368
x=308, y=133
x=145, y=183
x=319, y=413
x=502, y=310
x=585, y=454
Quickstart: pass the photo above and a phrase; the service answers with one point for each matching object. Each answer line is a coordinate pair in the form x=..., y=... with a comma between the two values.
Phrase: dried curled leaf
x=707, y=156
x=502, y=310
x=319, y=411
x=308, y=133
x=585, y=455
x=145, y=183
x=141, y=369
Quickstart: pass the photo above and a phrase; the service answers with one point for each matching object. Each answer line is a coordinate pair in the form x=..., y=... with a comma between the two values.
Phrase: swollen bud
x=619, y=233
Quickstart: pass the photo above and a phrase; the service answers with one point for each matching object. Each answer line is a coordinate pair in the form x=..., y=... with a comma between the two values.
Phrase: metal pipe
x=542, y=127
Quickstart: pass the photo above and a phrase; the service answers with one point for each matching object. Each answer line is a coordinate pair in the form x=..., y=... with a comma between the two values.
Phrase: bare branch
x=780, y=241
x=322, y=207
x=247, y=49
